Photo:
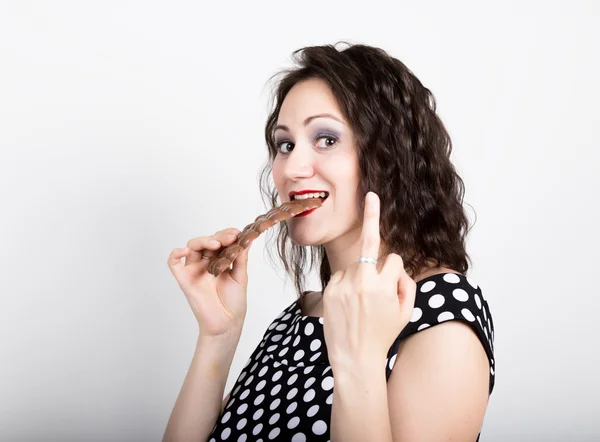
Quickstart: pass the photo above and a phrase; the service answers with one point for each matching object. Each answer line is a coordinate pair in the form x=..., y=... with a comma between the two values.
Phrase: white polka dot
x=274, y=433
x=296, y=341
x=242, y=408
x=291, y=407
x=226, y=417
x=321, y=321
x=281, y=327
x=308, y=330
x=492, y=370
x=298, y=354
x=242, y=376
x=275, y=404
x=286, y=340
x=273, y=325
x=436, y=301
x=257, y=429
x=452, y=278
x=309, y=369
x=319, y=427
x=468, y=315
x=292, y=379
x=249, y=380
x=327, y=383
x=241, y=424
x=260, y=385
x=484, y=315
x=315, y=356
x=460, y=294
x=242, y=438
x=274, y=418
x=472, y=282
x=315, y=345
x=427, y=287
x=275, y=389
x=445, y=316
x=259, y=399
x=258, y=414
x=299, y=437
x=422, y=326
x=276, y=338
x=292, y=393
x=293, y=423
x=277, y=375
x=225, y=434
x=329, y=400
x=477, y=301
x=245, y=394
x=309, y=395
x=254, y=367
x=479, y=320
x=417, y=313
x=286, y=317
x=284, y=351
x=312, y=411
x=309, y=382
x=392, y=361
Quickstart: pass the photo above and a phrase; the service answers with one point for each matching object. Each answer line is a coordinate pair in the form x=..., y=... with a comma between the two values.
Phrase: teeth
x=310, y=195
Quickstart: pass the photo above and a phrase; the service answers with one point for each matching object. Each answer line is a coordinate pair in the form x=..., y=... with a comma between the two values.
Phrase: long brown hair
x=403, y=154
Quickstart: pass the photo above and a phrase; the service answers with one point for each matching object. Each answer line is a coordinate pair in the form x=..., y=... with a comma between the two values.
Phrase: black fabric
x=285, y=390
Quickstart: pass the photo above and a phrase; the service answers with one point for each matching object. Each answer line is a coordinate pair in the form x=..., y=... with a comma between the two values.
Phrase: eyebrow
x=308, y=120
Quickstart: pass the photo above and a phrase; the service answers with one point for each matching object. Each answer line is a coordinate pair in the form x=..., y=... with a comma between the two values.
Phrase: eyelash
x=279, y=143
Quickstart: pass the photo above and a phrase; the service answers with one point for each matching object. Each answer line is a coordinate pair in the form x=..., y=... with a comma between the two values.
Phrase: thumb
x=239, y=272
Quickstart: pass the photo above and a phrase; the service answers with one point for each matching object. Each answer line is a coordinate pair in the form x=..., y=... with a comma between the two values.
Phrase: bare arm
x=198, y=404
x=225, y=401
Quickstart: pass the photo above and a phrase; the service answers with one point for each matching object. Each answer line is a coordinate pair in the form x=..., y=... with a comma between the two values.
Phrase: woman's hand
x=366, y=307
x=219, y=304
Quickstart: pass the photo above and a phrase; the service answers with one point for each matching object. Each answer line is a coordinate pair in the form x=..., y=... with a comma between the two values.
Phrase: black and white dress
x=285, y=390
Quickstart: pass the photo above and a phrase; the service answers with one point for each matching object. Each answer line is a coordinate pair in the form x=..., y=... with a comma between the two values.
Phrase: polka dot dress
x=285, y=390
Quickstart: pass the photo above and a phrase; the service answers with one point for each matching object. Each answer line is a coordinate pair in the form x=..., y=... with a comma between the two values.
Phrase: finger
x=174, y=261
x=370, y=232
x=393, y=268
x=208, y=245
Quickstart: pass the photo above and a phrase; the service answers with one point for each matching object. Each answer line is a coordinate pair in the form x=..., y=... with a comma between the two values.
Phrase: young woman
x=398, y=343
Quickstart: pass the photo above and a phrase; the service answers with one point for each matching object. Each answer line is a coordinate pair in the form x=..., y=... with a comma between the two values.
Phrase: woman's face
x=317, y=153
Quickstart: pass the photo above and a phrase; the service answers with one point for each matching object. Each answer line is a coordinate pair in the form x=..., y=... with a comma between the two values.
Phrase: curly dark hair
x=403, y=154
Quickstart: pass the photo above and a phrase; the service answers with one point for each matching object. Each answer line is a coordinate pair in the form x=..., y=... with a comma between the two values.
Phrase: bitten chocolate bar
x=226, y=255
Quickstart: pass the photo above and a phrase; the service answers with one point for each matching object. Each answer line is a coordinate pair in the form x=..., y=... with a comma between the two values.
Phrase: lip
x=302, y=192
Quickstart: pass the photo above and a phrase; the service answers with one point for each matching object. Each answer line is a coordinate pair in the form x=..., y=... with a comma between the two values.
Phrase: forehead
x=306, y=98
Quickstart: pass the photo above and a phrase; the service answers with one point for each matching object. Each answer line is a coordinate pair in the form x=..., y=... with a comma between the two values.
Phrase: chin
x=304, y=239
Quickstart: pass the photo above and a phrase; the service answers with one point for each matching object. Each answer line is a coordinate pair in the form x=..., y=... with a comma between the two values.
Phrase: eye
x=281, y=143
x=329, y=141
x=328, y=138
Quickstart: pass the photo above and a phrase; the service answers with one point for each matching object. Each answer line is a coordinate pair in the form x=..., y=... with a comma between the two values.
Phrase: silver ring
x=367, y=260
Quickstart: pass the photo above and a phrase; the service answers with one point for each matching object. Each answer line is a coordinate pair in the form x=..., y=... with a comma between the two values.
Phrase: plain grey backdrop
x=129, y=127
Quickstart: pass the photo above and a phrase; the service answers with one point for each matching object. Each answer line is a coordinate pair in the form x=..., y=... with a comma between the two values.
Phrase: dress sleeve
x=449, y=297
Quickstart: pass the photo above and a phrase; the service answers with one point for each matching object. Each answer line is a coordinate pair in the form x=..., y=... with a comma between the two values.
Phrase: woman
x=392, y=266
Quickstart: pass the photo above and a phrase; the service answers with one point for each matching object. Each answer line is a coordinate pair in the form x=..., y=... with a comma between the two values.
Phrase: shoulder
x=455, y=300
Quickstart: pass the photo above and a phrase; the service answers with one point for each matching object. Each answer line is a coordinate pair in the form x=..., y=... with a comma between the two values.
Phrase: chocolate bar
x=226, y=255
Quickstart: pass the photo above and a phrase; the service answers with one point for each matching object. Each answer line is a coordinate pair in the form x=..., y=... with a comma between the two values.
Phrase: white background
x=129, y=127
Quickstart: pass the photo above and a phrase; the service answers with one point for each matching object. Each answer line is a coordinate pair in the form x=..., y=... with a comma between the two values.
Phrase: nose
x=299, y=163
